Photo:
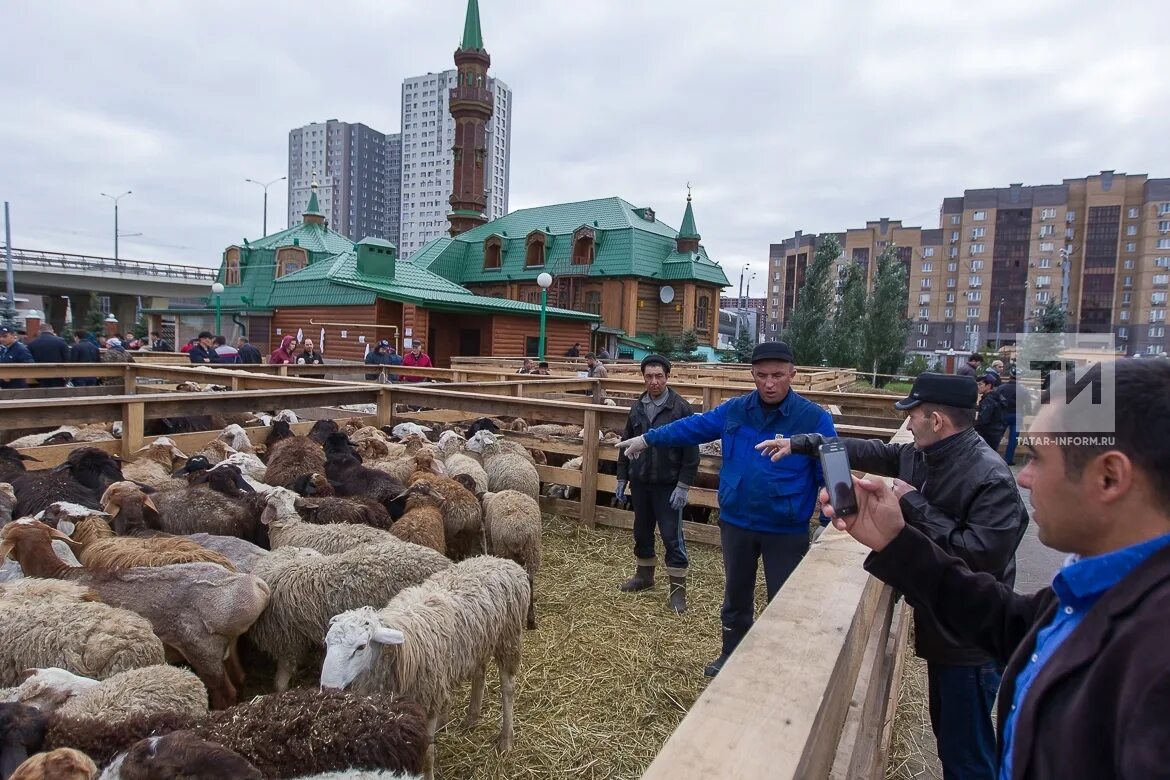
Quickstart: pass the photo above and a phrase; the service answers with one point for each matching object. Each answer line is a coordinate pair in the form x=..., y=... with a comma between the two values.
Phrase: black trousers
x=742, y=550
x=652, y=509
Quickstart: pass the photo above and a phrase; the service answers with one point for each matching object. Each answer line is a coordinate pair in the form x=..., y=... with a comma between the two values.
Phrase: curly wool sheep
x=22, y=730
x=135, y=692
x=284, y=735
x=198, y=609
x=290, y=458
x=434, y=636
x=486, y=442
x=309, y=588
x=54, y=623
x=422, y=522
x=512, y=525
x=462, y=514
x=154, y=464
x=60, y=764
x=322, y=507
x=461, y=463
x=286, y=528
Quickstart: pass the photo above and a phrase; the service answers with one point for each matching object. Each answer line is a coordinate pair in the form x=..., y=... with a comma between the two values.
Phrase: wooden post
x=130, y=378
x=236, y=383
x=708, y=398
x=385, y=413
x=133, y=421
x=589, y=470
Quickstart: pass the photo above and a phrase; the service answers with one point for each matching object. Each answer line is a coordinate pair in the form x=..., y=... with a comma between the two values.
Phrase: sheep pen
x=605, y=679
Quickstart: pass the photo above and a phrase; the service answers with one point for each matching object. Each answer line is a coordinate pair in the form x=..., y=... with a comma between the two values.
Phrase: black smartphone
x=838, y=478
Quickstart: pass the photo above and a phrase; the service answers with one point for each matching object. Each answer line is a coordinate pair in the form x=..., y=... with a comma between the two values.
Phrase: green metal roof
x=308, y=235
x=472, y=34
x=688, y=229
x=314, y=209
x=625, y=244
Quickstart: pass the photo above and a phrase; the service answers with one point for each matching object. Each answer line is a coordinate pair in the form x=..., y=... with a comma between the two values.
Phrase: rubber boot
x=678, y=594
x=730, y=641
x=643, y=579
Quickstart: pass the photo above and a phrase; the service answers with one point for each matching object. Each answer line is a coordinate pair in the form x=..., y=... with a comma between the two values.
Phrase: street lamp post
x=739, y=310
x=217, y=290
x=545, y=281
x=266, y=186
x=116, y=198
x=998, y=323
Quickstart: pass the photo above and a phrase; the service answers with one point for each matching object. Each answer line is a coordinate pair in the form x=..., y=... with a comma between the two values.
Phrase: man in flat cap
x=764, y=506
x=660, y=481
x=958, y=492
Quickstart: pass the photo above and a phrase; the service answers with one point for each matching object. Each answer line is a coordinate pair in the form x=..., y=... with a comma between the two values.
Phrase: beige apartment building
x=1100, y=245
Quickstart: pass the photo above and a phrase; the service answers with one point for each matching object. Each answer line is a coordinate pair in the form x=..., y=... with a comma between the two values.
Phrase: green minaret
x=472, y=35
x=688, y=234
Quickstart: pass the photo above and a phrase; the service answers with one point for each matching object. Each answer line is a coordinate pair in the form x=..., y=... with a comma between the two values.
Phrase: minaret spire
x=688, y=234
x=313, y=213
x=471, y=107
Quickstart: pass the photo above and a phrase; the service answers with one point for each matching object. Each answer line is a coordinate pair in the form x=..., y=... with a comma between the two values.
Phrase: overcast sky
x=798, y=115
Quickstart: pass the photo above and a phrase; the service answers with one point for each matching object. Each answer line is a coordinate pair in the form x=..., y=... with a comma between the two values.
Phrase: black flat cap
x=942, y=389
x=773, y=350
x=652, y=359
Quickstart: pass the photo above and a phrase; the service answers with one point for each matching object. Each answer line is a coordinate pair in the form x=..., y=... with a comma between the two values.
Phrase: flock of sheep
x=408, y=557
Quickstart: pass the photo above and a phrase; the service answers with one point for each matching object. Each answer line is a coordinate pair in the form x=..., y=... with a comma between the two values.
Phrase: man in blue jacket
x=13, y=350
x=764, y=511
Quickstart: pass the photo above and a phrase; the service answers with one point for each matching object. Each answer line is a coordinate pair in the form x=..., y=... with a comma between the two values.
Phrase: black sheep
x=280, y=430
x=12, y=463
x=322, y=430
x=81, y=479
x=183, y=754
x=22, y=730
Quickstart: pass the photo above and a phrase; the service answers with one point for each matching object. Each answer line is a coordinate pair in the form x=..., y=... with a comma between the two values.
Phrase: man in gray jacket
x=661, y=479
x=959, y=493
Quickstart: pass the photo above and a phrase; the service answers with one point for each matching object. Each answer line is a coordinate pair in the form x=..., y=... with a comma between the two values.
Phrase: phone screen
x=838, y=479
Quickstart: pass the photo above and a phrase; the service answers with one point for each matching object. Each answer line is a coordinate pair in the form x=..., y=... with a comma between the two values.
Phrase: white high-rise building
x=428, y=133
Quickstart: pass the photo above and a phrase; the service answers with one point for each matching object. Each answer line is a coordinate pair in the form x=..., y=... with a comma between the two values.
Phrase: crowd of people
x=16, y=346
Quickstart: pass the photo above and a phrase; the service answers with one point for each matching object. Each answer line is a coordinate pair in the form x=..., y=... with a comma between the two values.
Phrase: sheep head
x=350, y=646
x=48, y=689
x=217, y=451
x=188, y=387
x=183, y=754
x=372, y=449
x=163, y=451
x=123, y=493
x=287, y=416
x=14, y=459
x=18, y=537
x=225, y=478
x=67, y=517
x=92, y=467
x=421, y=494
x=315, y=484
x=519, y=424
x=236, y=437
x=194, y=465
x=481, y=441
x=280, y=506
x=402, y=430
x=323, y=430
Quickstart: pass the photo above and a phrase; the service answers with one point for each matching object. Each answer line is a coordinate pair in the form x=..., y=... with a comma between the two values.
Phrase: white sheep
x=309, y=588
x=566, y=491
x=512, y=527
x=432, y=637
x=135, y=692
x=506, y=470
x=450, y=442
x=55, y=623
x=154, y=464
x=287, y=529
x=461, y=463
x=250, y=466
x=402, y=430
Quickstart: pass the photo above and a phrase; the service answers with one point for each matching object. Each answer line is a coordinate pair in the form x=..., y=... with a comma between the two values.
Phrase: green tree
x=663, y=344
x=688, y=347
x=741, y=349
x=916, y=365
x=814, y=305
x=843, y=344
x=1053, y=319
x=95, y=320
x=886, y=325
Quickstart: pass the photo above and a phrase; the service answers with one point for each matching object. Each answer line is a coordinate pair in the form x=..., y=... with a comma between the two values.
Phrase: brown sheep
x=89, y=525
x=290, y=458
x=322, y=506
x=59, y=764
x=423, y=521
x=154, y=464
x=462, y=514
x=216, y=451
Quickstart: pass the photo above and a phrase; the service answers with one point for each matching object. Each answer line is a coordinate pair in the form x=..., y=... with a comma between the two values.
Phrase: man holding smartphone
x=1086, y=691
x=958, y=492
x=764, y=506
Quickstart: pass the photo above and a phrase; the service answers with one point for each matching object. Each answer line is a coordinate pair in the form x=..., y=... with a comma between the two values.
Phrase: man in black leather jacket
x=959, y=493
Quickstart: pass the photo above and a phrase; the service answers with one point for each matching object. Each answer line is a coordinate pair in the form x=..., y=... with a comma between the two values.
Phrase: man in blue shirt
x=13, y=350
x=764, y=506
x=1086, y=692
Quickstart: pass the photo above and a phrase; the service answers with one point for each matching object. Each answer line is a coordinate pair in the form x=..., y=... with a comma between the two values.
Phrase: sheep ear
x=56, y=534
x=113, y=507
x=66, y=527
x=388, y=636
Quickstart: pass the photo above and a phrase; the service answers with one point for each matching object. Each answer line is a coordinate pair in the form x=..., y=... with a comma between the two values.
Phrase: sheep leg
x=429, y=758
x=235, y=669
x=507, y=687
x=476, y=703
x=285, y=669
x=531, y=624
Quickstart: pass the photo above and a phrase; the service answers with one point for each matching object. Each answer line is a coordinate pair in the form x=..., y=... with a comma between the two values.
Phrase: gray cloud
x=813, y=116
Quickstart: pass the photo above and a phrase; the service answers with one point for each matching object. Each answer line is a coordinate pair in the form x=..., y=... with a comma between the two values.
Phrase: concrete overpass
x=60, y=275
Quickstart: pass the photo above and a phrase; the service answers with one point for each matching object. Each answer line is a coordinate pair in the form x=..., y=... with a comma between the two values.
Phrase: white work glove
x=634, y=447
x=776, y=448
x=620, y=490
x=678, y=497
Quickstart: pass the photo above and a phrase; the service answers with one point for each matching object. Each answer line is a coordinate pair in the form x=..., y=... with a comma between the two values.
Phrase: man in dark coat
x=660, y=479
x=959, y=493
x=48, y=347
x=378, y=356
x=84, y=350
x=990, y=420
x=204, y=349
x=13, y=350
x=1086, y=691
x=972, y=368
x=248, y=351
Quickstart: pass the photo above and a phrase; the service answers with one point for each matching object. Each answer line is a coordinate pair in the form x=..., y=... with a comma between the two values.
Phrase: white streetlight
x=545, y=281
x=116, y=198
x=217, y=289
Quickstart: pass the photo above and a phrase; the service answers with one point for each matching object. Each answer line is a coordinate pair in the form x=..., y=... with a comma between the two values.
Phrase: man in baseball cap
x=378, y=356
x=955, y=489
x=764, y=511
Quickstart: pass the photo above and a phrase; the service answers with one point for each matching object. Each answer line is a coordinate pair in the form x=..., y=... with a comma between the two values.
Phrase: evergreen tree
x=663, y=344
x=95, y=320
x=843, y=345
x=688, y=347
x=741, y=350
x=814, y=305
x=1053, y=319
x=886, y=325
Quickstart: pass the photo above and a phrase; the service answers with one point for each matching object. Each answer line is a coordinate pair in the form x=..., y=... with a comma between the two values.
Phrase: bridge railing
x=70, y=262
